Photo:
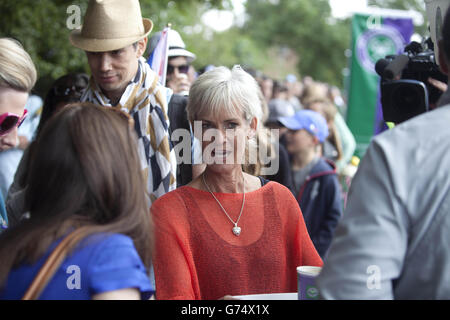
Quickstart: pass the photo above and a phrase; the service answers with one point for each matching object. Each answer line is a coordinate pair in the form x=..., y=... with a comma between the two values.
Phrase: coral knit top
x=198, y=257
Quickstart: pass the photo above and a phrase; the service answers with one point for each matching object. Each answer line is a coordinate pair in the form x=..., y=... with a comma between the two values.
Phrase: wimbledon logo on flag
x=376, y=43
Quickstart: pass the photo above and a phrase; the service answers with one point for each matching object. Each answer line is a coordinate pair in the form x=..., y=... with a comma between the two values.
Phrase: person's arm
x=122, y=294
x=299, y=248
x=370, y=242
x=292, y=216
x=310, y=256
x=333, y=212
x=115, y=270
x=172, y=261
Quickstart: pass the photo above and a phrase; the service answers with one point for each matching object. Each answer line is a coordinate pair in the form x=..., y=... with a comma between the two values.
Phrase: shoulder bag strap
x=52, y=263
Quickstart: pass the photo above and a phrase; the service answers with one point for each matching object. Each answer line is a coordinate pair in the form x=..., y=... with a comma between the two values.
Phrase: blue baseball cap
x=311, y=121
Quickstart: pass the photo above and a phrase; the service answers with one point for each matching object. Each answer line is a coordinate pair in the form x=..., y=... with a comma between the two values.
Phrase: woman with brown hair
x=83, y=175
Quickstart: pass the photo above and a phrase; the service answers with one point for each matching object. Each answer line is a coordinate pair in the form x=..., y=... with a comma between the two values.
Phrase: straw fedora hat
x=111, y=25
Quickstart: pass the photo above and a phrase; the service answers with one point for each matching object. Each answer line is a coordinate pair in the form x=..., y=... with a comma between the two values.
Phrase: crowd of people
x=257, y=188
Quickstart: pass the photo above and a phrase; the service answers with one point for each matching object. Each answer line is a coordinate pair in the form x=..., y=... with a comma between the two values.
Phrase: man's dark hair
x=446, y=35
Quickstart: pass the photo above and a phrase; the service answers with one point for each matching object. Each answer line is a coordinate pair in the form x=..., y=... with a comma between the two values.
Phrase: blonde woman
x=17, y=77
x=227, y=232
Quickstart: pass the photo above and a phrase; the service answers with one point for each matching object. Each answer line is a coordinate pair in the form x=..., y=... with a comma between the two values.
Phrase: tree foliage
x=307, y=28
x=415, y=5
x=178, y=13
x=273, y=30
x=41, y=27
x=225, y=48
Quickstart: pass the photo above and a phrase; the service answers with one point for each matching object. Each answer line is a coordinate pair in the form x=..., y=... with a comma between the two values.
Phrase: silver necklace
x=236, y=230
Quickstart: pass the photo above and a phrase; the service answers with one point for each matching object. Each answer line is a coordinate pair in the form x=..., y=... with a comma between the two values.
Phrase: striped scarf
x=145, y=100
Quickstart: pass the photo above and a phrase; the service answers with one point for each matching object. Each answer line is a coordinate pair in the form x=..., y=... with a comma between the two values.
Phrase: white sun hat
x=177, y=47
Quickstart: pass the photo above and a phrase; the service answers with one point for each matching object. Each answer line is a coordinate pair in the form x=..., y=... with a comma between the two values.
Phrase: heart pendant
x=236, y=231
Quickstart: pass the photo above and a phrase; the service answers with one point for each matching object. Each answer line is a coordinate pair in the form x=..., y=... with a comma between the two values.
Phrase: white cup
x=306, y=283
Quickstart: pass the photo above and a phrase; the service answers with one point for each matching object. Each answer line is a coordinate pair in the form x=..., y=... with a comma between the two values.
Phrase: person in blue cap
x=315, y=182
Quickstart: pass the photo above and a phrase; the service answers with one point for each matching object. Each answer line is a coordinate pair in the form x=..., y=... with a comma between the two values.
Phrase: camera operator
x=393, y=240
x=411, y=83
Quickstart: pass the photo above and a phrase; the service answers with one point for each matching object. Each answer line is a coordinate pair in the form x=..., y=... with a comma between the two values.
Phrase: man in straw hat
x=114, y=37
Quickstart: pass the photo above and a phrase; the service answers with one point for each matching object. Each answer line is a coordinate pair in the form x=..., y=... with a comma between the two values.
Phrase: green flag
x=373, y=38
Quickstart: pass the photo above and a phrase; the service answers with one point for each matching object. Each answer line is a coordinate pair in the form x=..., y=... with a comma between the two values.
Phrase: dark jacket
x=284, y=173
x=178, y=120
x=321, y=204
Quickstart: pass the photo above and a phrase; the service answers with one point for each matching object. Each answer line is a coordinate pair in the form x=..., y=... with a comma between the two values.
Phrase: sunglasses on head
x=9, y=121
x=181, y=69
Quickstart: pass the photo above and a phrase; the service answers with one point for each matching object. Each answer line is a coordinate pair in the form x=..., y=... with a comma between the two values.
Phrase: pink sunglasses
x=9, y=121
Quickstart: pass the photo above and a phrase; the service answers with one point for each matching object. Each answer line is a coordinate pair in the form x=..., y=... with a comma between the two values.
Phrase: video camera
x=405, y=91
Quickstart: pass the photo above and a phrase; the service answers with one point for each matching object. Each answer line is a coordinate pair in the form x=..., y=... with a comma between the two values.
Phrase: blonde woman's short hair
x=234, y=91
x=17, y=70
x=223, y=89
